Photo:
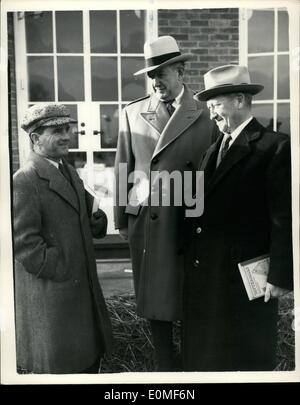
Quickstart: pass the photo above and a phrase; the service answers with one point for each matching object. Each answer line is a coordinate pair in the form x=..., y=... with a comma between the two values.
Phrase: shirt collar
x=176, y=102
x=53, y=162
x=238, y=130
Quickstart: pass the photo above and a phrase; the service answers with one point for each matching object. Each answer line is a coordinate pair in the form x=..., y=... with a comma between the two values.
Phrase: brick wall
x=211, y=35
x=12, y=97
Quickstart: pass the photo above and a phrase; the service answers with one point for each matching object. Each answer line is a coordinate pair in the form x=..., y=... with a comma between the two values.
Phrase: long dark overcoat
x=61, y=319
x=247, y=213
x=151, y=141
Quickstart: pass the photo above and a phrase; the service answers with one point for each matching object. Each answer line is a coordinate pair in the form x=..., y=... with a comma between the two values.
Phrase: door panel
x=103, y=31
x=104, y=78
x=69, y=31
x=70, y=76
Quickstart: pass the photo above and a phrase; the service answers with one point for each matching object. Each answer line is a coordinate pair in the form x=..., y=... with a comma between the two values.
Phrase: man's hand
x=124, y=233
x=98, y=223
x=274, y=292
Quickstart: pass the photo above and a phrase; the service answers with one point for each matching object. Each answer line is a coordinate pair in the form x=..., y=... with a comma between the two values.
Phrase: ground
x=133, y=351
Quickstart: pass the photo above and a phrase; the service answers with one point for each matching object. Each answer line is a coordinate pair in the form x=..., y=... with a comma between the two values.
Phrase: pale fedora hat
x=227, y=79
x=161, y=52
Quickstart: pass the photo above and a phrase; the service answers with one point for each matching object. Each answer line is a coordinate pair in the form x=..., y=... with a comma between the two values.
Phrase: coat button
x=189, y=163
x=155, y=160
x=196, y=263
x=198, y=230
x=154, y=216
x=76, y=281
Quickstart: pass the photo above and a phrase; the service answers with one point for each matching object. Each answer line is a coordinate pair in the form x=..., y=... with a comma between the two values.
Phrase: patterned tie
x=170, y=107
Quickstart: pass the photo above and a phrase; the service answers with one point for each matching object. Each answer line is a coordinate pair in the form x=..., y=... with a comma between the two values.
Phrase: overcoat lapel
x=239, y=150
x=184, y=116
x=78, y=187
x=210, y=158
x=57, y=182
x=157, y=115
x=168, y=129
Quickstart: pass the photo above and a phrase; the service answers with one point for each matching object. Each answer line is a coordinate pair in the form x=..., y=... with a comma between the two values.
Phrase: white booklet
x=254, y=273
x=96, y=201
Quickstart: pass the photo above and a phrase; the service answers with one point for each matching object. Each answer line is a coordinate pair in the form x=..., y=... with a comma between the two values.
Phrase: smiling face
x=166, y=82
x=226, y=111
x=52, y=142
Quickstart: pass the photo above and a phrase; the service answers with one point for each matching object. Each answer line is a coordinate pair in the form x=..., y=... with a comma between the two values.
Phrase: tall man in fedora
x=165, y=131
x=62, y=324
x=247, y=214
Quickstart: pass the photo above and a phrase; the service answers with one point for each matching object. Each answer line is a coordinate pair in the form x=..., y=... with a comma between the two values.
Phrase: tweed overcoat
x=150, y=142
x=62, y=324
x=247, y=213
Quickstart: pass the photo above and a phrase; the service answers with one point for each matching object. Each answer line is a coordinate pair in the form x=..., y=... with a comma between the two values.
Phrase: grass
x=286, y=335
x=133, y=350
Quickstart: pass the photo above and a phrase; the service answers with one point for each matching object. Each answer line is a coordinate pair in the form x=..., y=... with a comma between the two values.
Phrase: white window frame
x=151, y=32
x=294, y=52
x=244, y=54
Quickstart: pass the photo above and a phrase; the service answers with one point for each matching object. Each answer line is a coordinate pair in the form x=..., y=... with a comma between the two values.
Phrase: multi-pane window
x=85, y=60
x=266, y=32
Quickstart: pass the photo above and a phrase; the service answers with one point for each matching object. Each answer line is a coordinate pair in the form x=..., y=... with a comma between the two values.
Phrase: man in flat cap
x=165, y=132
x=62, y=324
x=247, y=218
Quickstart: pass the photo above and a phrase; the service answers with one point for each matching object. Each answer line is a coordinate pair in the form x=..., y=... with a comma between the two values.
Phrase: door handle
x=95, y=132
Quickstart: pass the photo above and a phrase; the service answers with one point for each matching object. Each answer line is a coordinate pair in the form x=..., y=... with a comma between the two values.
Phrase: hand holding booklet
x=254, y=273
x=92, y=200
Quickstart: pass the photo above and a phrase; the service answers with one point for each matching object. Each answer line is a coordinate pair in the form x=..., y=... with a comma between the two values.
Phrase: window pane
x=104, y=184
x=132, y=23
x=261, y=31
x=105, y=158
x=283, y=77
x=104, y=78
x=78, y=160
x=72, y=108
x=104, y=175
x=264, y=114
x=70, y=78
x=39, y=32
x=103, y=31
x=69, y=31
x=283, y=120
x=132, y=86
x=109, y=119
x=261, y=70
x=283, y=31
x=40, y=78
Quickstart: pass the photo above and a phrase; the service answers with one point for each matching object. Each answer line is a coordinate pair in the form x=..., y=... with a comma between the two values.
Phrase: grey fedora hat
x=227, y=79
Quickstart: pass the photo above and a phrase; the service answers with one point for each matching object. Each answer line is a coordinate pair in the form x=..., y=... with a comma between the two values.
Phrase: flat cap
x=45, y=115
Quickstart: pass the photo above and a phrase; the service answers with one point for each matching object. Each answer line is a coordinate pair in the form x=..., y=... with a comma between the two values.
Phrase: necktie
x=170, y=107
x=224, y=150
x=62, y=169
x=225, y=147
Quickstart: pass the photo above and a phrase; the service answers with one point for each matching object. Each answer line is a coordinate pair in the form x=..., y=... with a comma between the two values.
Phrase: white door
x=85, y=60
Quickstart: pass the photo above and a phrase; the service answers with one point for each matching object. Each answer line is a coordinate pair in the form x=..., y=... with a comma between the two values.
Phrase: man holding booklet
x=245, y=230
x=62, y=324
